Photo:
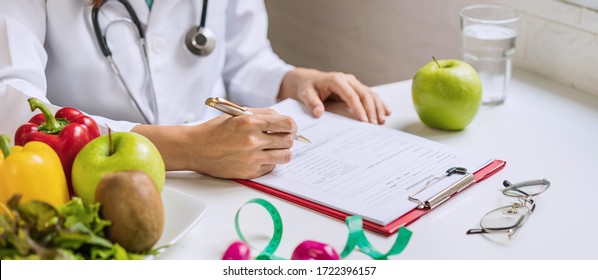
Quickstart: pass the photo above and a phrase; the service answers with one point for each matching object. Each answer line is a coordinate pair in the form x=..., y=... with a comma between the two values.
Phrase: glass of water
x=488, y=34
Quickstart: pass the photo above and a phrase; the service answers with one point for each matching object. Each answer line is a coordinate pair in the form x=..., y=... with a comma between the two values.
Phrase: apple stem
x=433, y=57
x=110, y=144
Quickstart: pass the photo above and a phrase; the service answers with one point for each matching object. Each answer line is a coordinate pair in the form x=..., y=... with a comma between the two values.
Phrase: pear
x=131, y=201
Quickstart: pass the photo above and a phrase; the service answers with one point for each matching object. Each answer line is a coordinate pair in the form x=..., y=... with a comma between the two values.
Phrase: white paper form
x=363, y=169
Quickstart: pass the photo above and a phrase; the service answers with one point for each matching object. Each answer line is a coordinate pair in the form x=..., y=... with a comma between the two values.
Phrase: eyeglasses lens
x=506, y=217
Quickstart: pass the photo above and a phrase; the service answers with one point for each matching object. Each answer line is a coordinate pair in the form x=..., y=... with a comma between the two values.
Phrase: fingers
x=259, y=132
x=243, y=146
x=265, y=161
x=367, y=99
x=311, y=99
x=279, y=156
x=364, y=102
x=272, y=123
x=352, y=97
x=278, y=141
x=263, y=169
x=381, y=107
x=268, y=120
x=312, y=88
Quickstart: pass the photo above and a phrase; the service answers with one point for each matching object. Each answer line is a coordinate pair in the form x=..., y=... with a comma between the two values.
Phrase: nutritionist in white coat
x=148, y=66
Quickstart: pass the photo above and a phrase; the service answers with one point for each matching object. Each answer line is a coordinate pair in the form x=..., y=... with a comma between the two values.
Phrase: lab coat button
x=158, y=45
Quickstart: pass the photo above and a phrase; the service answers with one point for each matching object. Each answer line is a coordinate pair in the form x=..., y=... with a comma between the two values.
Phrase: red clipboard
x=386, y=230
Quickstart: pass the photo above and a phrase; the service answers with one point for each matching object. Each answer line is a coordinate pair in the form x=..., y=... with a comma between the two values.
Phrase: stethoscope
x=199, y=40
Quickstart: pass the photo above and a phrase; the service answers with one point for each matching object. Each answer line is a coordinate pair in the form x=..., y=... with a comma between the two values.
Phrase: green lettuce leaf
x=37, y=230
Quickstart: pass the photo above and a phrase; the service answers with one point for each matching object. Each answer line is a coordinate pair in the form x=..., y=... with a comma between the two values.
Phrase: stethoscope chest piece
x=200, y=41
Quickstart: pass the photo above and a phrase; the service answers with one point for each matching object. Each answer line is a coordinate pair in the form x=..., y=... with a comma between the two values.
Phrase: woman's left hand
x=312, y=87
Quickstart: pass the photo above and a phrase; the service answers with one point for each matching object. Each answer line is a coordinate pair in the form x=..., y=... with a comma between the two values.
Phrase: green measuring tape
x=356, y=236
x=268, y=252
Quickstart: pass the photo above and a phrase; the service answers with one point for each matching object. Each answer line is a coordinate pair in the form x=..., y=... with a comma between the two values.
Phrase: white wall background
x=382, y=41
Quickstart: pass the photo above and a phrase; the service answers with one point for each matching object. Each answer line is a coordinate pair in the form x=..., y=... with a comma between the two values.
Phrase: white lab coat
x=48, y=50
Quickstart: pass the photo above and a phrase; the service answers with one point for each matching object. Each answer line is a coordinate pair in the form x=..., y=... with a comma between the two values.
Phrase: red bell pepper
x=66, y=132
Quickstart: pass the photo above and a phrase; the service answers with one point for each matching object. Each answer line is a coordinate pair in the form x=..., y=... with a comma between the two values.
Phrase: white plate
x=181, y=213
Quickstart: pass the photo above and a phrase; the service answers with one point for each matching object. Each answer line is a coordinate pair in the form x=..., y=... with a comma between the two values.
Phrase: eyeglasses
x=510, y=218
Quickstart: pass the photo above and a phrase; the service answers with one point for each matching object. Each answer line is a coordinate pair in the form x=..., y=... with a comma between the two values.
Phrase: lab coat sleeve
x=252, y=72
x=23, y=62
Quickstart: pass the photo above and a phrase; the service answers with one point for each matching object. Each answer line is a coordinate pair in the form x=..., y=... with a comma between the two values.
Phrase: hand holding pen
x=232, y=109
x=241, y=147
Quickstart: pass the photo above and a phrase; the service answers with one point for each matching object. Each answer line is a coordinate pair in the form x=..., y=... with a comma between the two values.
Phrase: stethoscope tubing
x=100, y=35
x=191, y=38
x=204, y=14
x=102, y=42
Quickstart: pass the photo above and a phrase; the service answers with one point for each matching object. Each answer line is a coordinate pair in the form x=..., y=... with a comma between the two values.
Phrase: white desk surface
x=544, y=130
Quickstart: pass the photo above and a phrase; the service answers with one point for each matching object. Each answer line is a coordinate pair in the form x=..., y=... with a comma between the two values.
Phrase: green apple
x=447, y=94
x=118, y=151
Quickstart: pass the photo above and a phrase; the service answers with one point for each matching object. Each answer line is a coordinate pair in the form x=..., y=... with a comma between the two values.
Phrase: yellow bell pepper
x=33, y=170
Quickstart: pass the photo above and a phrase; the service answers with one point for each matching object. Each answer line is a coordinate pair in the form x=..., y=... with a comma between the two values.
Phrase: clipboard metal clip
x=445, y=194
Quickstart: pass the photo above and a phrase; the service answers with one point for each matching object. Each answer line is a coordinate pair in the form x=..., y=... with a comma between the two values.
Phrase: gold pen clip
x=214, y=101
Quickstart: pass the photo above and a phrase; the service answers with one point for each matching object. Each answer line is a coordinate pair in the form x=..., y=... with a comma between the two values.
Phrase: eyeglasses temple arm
x=475, y=231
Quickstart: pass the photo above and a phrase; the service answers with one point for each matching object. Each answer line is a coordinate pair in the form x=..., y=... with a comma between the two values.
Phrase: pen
x=233, y=109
